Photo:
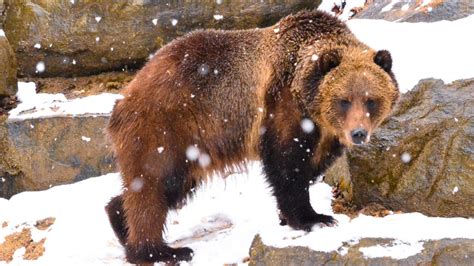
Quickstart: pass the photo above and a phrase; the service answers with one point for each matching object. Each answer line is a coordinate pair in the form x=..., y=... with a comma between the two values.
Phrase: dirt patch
x=34, y=250
x=4, y=224
x=83, y=86
x=15, y=241
x=45, y=223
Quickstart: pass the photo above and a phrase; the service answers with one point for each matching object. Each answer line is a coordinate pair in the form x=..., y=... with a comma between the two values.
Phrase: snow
x=390, y=6
x=224, y=216
x=307, y=125
x=455, y=190
x=40, y=67
x=34, y=105
x=219, y=223
x=192, y=153
x=218, y=17
x=2, y=33
x=327, y=5
x=154, y=21
x=406, y=157
x=398, y=250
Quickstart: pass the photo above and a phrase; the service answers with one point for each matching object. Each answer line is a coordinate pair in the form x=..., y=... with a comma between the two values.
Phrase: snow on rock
x=219, y=223
x=326, y=5
x=397, y=250
x=2, y=33
x=34, y=105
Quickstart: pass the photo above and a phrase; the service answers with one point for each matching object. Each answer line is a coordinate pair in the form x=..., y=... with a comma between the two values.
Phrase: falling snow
x=406, y=157
x=314, y=57
x=455, y=190
x=174, y=22
x=40, y=67
x=203, y=69
x=192, y=153
x=218, y=17
x=307, y=125
x=37, y=46
x=98, y=19
x=86, y=139
x=155, y=21
x=204, y=160
x=160, y=149
x=137, y=184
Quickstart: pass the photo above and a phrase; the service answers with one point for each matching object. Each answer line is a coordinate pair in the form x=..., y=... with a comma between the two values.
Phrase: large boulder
x=8, y=81
x=422, y=158
x=435, y=252
x=39, y=153
x=416, y=11
x=69, y=38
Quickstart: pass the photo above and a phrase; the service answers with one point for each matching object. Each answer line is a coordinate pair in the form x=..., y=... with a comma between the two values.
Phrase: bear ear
x=384, y=60
x=327, y=61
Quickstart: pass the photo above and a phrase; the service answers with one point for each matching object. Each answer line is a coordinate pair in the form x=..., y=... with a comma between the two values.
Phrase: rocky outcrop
x=416, y=11
x=435, y=252
x=422, y=158
x=111, y=82
x=70, y=38
x=8, y=81
x=40, y=153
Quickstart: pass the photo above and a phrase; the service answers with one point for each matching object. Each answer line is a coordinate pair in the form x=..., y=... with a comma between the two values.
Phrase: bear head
x=348, y=92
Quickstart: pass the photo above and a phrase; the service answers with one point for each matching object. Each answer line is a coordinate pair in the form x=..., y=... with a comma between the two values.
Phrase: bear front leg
x=288, y=168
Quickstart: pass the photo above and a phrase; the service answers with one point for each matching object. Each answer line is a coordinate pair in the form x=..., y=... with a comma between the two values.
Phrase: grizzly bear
x=293, y=95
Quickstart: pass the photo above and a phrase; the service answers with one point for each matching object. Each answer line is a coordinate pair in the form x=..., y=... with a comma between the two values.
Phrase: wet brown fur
x=254, y=77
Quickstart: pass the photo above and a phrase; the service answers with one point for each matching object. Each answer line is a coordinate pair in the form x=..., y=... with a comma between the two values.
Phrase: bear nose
x=358, y=135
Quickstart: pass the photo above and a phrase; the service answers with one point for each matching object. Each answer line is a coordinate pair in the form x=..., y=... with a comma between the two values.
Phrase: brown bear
x=293, y=95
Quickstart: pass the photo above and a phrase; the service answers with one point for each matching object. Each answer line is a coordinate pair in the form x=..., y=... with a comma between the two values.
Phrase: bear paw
x=306, y=223
x=162, y=254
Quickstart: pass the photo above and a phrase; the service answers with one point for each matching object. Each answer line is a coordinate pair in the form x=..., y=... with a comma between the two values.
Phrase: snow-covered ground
x=220, y=222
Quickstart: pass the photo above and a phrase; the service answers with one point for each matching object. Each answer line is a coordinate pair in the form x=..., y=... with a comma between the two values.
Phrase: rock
x=2, y=13
x=72, y=88
x=40, y=153
x=422, y=158
x=435, y=252
x=8, y=81
x=94, y=36
x=417, y=11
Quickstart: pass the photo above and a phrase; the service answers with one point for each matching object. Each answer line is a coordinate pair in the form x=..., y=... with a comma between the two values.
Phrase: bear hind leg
x=145, y=216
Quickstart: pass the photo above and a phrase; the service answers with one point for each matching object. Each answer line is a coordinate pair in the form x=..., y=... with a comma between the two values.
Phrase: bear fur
x=290, y=95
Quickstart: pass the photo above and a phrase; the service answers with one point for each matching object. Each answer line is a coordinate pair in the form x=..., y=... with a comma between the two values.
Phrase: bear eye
x=345, y=105
x=371, y=105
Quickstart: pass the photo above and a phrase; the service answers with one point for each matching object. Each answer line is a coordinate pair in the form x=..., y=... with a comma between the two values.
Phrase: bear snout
x=359, y=136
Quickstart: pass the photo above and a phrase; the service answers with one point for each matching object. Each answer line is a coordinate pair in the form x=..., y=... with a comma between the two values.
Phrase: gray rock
x=414, y=11
x=95, y=36
x=435, y=252
x=44, y=152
